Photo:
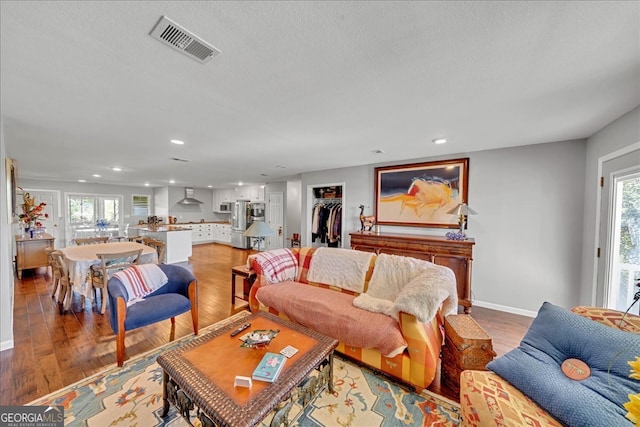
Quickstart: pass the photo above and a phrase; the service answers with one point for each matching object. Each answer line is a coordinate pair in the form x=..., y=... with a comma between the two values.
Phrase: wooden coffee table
x=202, y=372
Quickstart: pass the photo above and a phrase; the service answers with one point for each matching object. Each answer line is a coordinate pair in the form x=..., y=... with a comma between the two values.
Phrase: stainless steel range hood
x=188, y=198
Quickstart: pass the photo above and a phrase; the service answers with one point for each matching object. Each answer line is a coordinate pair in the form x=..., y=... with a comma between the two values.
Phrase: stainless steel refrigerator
x=240, y=221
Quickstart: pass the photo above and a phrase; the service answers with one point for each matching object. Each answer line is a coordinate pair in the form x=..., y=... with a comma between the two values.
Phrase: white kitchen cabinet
x=196, y=233
x=254, y=193
x=224, y=196
x=201, y=232
x=225, y=233
x=208, y=232
x=221, y=233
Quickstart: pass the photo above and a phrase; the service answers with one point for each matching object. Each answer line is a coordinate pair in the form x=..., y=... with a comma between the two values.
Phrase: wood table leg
x=330, y=385
x=233, y=288
x=165, y=400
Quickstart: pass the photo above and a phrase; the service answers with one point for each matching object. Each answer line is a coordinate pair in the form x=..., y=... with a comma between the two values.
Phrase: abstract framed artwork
x=420, y=194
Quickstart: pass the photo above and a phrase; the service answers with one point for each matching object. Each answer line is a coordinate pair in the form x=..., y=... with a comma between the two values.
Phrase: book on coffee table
x=269, y=367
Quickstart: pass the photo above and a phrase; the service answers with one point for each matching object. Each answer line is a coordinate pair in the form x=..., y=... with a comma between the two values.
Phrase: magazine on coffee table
x=269, y=367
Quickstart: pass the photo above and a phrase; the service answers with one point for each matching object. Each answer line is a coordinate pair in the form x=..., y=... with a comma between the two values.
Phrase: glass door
x=619, y=235
x=624, y=262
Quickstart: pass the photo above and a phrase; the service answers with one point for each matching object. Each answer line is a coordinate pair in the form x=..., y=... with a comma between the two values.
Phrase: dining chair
x=90, y=240
x=55, y=270
x=65, y=292
x=110, y=264
x=158, y=245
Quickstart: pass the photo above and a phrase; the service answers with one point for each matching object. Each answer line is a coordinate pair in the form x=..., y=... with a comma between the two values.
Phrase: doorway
x=275, y=220
x=324, y=215
x=619, y=233
x=52, y=221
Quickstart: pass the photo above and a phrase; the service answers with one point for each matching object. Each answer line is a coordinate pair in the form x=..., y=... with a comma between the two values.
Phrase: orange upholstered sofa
x=487, y=399
x=312, y=303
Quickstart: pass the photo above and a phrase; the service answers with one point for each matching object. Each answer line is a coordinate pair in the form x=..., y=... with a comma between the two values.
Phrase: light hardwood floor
x=53, y=350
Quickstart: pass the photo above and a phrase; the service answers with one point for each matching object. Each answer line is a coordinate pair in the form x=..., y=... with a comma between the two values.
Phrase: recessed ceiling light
x=210, y=186
x=82, y=180
x=146, y=184
x=177, y=142
x=440, y=140
x=377, y=151
x=240, y=183
x=116, y=169
x=95, y=175
x=172, y=181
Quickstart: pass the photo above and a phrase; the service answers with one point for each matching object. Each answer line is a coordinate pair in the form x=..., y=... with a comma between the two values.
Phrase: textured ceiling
x=303, y=86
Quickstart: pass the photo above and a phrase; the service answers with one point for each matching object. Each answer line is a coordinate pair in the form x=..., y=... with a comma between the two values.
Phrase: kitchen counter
x=206, y=222
x=160, y=228
x=201, y=232
x=177, y=240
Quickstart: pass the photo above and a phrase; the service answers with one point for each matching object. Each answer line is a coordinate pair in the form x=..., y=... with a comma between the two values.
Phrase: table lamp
x=258, y=230
x=462, y=210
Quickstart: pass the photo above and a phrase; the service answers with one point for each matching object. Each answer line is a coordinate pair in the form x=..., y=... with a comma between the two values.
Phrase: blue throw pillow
x=557, y=334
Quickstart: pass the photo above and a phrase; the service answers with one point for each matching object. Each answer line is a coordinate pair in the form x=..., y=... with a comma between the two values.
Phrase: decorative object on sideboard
x=258, y=230
x=366, y=222
x=461, y=211
x=32, y=213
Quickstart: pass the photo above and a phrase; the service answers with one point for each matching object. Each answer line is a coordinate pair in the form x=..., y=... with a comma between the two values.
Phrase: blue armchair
x=179, y=295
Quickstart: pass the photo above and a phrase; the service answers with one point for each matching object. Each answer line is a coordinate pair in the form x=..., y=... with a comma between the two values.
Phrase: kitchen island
x=177, y=240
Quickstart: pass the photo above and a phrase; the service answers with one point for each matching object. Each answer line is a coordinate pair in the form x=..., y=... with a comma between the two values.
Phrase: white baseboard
x=6, y=345
x=504, y=308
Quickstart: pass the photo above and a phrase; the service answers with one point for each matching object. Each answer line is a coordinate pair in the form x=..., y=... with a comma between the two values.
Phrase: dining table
x=80, y=258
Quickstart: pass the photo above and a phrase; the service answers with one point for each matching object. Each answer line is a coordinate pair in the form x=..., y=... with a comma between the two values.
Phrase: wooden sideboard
x=31, y=252
x=455, y=254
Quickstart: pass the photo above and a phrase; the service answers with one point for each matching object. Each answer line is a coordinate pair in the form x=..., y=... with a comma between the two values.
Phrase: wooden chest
x=467, y=346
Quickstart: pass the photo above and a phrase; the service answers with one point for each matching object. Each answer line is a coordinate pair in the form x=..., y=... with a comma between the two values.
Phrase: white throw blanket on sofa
x=409, y=285
x=344, y=268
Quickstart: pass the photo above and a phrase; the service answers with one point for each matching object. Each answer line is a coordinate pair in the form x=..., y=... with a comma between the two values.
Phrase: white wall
x=529, y=228
x=190, y=213
x=617, y=135
x=293, y=207
x=6, y=265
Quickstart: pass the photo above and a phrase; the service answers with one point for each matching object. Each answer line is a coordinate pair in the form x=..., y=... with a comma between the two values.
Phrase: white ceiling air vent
x=173, y=35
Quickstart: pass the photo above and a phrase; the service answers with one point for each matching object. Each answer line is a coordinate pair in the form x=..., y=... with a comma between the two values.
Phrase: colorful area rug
x=132, y=396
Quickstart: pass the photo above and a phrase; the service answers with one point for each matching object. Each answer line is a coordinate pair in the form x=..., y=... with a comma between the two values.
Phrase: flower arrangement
x=102, y=224
x=32, y=213
x=633, y=405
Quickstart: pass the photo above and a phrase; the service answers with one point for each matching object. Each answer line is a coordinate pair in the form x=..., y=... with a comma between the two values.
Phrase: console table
x=455, y=254
x=31, y=251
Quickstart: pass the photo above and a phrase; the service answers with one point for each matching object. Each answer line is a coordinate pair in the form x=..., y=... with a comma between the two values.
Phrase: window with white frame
x=86, y=211
x=140, y=205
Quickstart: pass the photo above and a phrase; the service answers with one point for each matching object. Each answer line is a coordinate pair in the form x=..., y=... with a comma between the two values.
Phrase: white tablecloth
x=80, y=259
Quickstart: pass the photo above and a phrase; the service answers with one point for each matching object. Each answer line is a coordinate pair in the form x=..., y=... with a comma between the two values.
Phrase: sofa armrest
x=254, y=304
x=424, y=341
